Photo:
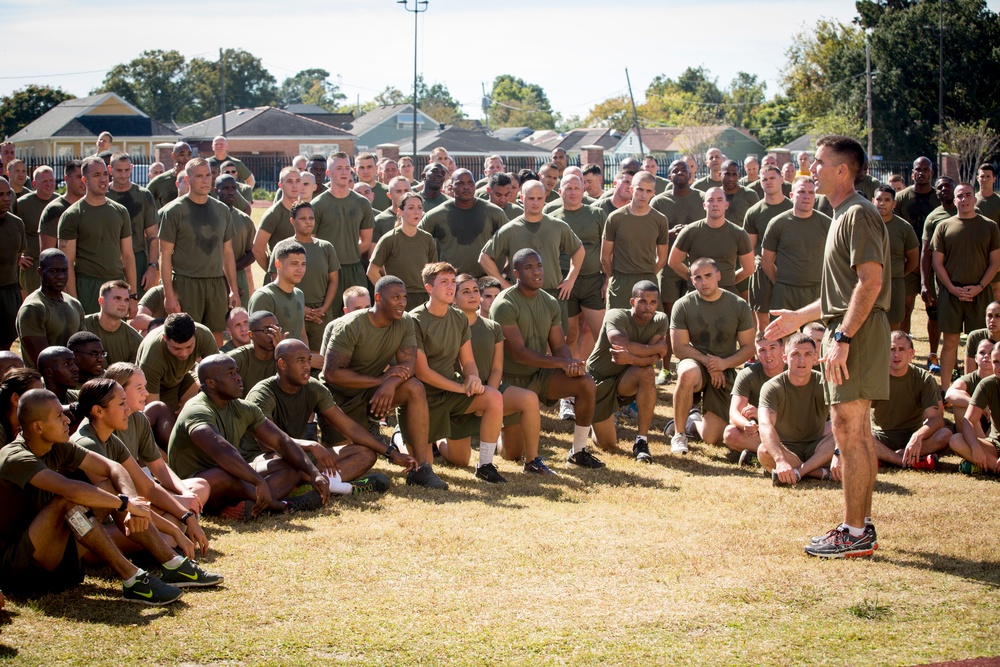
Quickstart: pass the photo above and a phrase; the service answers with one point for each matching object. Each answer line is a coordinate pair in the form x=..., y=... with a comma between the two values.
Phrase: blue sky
x=576, y=50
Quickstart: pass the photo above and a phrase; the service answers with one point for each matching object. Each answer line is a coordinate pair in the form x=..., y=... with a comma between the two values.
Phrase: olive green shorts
x=894, y=439
x=206, y=300
x=792, y=297
x=803, y=450
x=716, y=399
x=897, y=300
x=537, y=382
x=21, y=573
x=88, y=290
x=761, y=288
x=608, y=400
x=867, y=362
x=672, y=287
x=956, y=316
x=586, y=294
x=620, y=288
x=350, y=275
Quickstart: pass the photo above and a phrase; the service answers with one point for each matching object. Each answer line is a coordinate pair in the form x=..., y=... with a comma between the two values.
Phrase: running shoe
x=190, y=575
x=425, y=476
x=839, y=543
x=585, y=459
x=374, y=482
x=679, y=444
x=641, y=451
x=537, y=467
x=147, y=589
x=489, y=473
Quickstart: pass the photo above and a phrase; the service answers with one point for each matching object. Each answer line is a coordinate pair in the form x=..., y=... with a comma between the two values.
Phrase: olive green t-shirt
x=252, y=369
x=635, y=238
x=909, y=396
x=801, y=413
x=141, y=211
x=759, y=216
x=988, y=206
x=98, y=232
x=971, y=381
x=713, y=326
x=164, y=188
x=440, y=200
x=533, y=316
x=243, y=232
x=289, y=412
x=55, y=321
x=162, y=369
x=987, y=397
x=277, y=221
x=405, y=256
x=18, y=466
x=288, y=307
x=739, y=203
x=798, y=246
x=153, y=300
x=485, y=334
x=680, y=210
x=935, y=217
x=974, y=339
x=706, y=183
x=370, y=348
x=587, y=224
x=512, y=210
x=12, y=243
x=381, y=201
x=966, y=245
x=29, y=209
x=749, y=382
x=232, y=422
x=857, y=235
x=120, y=345
x=138, y=439
x=620, y=320
x=383, y=224
x=549, y=237
x=242, y=171
x=914, y=207
x=441, y=338
x=321, y=261
x=902, y=239
x=112, y=448
x=462, y=233
x=48, y=223
x=198, y=232
x=340, y=221
x=725, y=244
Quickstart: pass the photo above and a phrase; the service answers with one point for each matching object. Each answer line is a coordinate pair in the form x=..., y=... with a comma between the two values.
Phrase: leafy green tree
x=310, y=86
x=743, y=98
x=435, y=101
x=26, y=104
x=155, y=81
x=391, y=96
x=615, y=112
x=248, y=84
x=516, y=103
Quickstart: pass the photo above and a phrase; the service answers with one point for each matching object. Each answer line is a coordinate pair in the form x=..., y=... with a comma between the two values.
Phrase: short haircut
x=92, y=161
x=397, y=179
x=298, y=206
x=71, y=167
x=385, y=282
x=227, y=163
x=644, y=286
x=760, y=337
x=499, y=180
x=901, y=335
x=641, y=176
x=799, y=338
x=490, y=158
x=81, y=338
x=986, y=166
x=886, y=189
x=624, y=172
x=431, y=271
x=287, y=247
x=521, y=256
x=802, y=179
x=258, y=316
x=895, y=178
x=317, y=157
x=365, y=156
x=233, y=312
x=178, y=328
x=949, y=179
x=591, y=168
x=114, y=284
x=487, y=282
x=105, y=134
x=119, y=156
x=770, y=167
x=701, y=261
x=194, y=163
x=847, y=150
x=526, y=175
x=730, y=163
x=286, y=171
x=339, y=155
x=814, y=327
x=354, y=291
x=44, y=169
x=34, y=406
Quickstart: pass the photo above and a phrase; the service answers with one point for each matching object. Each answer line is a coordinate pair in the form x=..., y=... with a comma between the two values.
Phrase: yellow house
x=70, y=129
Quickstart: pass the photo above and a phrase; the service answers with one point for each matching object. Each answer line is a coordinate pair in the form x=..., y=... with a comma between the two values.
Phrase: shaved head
x=211, y=367
x=9, y=360
x=288, y=347
x=36, y=405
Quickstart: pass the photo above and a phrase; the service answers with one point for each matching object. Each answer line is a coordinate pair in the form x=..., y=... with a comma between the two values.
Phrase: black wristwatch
x=389, y=450
x=124, y=505
x=841, y=337
x=187, y=515
x=155, y=265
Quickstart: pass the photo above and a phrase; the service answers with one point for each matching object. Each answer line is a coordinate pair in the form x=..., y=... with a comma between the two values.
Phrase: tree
x=248, y=84
x=515, y=103
x=615, y=112
x=26, y=104
x=438, y=103
x=744, y=97
x=310, y=86
x=391, y=96
x=155, y=81
x=973, y=143
x=777, y=122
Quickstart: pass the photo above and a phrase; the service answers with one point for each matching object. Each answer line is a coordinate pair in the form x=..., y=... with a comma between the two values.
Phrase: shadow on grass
x=82, y=604
x=984, y=572
x=7, y=652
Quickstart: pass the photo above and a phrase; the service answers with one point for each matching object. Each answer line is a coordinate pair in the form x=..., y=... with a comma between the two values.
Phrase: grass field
x=689, y=561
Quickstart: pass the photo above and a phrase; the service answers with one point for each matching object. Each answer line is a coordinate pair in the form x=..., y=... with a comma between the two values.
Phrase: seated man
x=9, y=360
x=255, y=362
x=168, y=356
x=119, y=340
x=369, y=366
x=712, y=334
x=41, y=540
x=201, y=446
x=355, y=297
x=90, y=355
x=990, y=332
x=742, y=435
x=150, y=308
x=795, y=439
x=48, y=315
x=961, y=390
x=909, y=428
x=238, y=328
x=290, y=398
x=459, y=404
x=60, y=373
x=531, y=321
x=980, y=454
x=622, y=364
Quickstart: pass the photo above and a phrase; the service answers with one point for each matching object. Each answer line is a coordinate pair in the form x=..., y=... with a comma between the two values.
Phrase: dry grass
x=686, y=562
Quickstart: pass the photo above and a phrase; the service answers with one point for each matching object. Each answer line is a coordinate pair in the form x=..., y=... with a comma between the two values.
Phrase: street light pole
x=419, y=7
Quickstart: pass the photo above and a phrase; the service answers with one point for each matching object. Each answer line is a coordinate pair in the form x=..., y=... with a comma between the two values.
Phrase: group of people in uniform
x=155, y=382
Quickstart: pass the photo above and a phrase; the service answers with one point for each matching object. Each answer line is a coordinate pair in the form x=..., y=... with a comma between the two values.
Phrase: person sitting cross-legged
x=980, y=454
x=743, y=433
x=795, y=438
x=960, y=392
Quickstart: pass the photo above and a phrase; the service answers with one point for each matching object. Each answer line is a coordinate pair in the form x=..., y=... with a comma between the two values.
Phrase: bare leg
x=411, y=393
x=739, y=441
x=521, y=439
x=949, y=357
x=605, y=434
x=886, y=455
x=354, y=461
x=852, y=433
x=161, y=420
x=639, y=381
x=689, y=380
x=910, y=300
x=588, y=335
x=580, y=388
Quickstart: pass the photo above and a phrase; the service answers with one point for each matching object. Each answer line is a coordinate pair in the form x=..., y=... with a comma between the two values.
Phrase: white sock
x=580, y=434
x=855, y=532
x=868, y=521
x=174, y=563
x=131, y=580
x=486, y=452
x=336, y=486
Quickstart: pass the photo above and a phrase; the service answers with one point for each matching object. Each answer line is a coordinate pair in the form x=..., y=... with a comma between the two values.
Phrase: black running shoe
x=306, y=502
x=585, y=459
x=374, y=482
x=489, y=473
x=147, y=589
x=641, y=452
x=425, y=476
x=190, y=575
x=839, y=543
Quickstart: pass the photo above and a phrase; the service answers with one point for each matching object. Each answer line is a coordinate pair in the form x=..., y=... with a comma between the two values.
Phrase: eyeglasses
x=266, y=330
x=95, y=354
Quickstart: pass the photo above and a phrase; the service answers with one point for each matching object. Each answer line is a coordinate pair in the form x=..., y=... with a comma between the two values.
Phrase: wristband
x=124, y=505
x=187, y=515
x=389, y=450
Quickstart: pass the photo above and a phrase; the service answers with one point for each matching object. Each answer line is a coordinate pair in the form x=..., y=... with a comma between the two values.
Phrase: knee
x=494, y=397
x=731, y=434
x=647, y=375
x=414, y=389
